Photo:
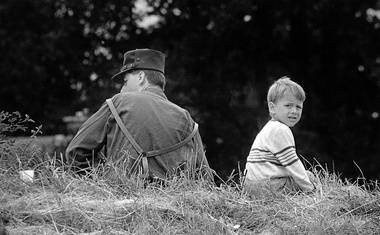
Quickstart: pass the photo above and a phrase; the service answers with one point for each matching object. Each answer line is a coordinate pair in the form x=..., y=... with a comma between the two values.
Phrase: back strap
x=137, y=147
x=175, y=146
x=123, y=128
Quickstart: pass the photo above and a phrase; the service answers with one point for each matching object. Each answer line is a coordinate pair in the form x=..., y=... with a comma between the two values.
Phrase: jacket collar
x=155, y=90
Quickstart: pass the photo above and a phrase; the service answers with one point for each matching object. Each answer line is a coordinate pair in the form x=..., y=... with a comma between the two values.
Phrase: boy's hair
x=283, y=84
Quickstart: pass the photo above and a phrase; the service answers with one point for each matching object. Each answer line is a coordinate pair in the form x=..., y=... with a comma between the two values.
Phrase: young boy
x=272, y=163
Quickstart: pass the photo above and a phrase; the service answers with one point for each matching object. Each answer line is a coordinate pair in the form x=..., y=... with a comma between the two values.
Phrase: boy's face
x=287, y=109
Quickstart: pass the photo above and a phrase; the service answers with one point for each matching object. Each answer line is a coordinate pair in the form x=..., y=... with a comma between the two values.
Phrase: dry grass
x=60, y=202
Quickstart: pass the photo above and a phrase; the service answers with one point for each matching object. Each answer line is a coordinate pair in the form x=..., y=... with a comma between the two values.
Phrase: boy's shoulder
x=273, y=129
x=274, y=132
x=275, y=126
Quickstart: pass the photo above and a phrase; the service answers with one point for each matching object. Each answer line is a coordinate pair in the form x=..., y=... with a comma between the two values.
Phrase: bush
x=16, y=155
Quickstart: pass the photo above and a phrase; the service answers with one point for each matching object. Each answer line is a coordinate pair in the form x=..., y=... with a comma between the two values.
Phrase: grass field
x=108, y=202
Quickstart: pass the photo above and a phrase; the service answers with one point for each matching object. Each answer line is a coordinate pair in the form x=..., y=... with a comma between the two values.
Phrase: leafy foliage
x=16, y=155
x=12, y=122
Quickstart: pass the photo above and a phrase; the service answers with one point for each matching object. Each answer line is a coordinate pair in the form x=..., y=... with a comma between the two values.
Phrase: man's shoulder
x=132, y=96
x=146, y=98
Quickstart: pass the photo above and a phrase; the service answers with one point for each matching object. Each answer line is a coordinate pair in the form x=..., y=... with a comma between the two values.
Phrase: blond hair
x=283, y=84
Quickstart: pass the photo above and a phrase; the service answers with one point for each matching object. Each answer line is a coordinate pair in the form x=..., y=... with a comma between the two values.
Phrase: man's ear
x=142, y=78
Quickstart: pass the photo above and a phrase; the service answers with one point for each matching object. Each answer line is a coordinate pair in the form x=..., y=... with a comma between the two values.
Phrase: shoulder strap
x=137, y=147
x=175, y=146
x=123, y=128
x=140, y=151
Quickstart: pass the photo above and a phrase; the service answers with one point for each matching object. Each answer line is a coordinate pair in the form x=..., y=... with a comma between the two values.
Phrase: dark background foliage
x=57, y=58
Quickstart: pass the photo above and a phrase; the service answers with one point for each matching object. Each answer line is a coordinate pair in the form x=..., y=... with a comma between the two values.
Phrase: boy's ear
x=271, y=107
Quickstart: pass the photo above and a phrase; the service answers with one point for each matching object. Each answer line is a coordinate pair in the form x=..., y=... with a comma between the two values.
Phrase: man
x=140, y=126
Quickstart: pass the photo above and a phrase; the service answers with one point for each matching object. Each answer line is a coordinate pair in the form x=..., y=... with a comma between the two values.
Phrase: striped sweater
x=273, y=155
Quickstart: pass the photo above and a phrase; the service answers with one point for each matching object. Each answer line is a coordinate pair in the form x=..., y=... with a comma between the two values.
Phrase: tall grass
x=106, y=201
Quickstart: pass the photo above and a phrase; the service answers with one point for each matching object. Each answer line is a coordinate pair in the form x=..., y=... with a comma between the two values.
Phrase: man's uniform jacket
x=153, y=121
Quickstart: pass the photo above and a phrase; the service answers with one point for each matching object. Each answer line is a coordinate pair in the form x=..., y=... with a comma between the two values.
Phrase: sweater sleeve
x=287, y=156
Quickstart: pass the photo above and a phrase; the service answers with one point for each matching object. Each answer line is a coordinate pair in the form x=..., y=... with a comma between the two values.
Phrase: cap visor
x=118, y=78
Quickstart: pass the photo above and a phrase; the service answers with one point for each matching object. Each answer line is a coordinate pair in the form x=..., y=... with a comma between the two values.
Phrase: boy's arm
x=299, y=175
x=287, y=156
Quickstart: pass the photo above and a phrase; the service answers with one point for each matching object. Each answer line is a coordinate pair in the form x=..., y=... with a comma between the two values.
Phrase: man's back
x=154, y=122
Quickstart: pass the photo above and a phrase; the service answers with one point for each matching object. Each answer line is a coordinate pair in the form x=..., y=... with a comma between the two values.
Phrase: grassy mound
x=60, y=202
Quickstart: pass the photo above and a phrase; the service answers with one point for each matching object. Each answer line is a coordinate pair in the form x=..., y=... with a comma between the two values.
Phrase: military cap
x=144, y=59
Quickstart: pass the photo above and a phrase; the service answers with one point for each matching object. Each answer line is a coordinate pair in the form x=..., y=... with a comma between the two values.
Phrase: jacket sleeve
x=201, y=160
x=84, y=148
